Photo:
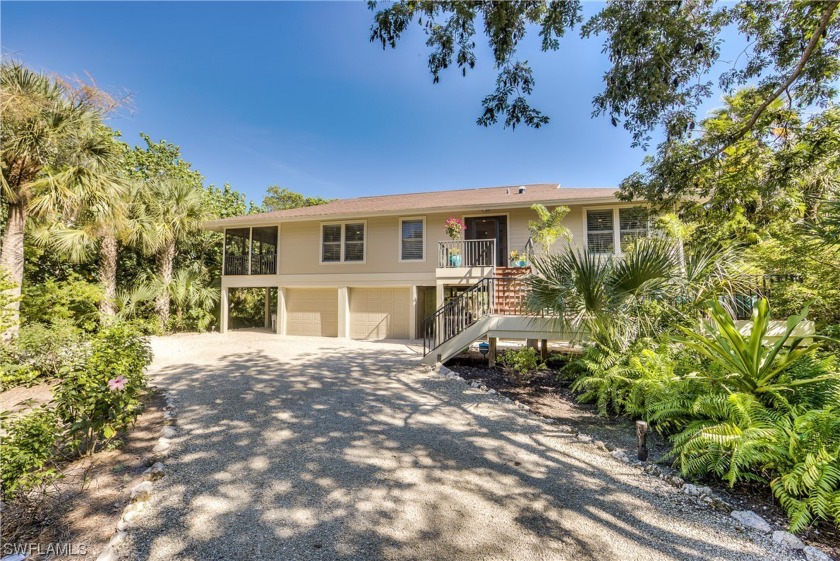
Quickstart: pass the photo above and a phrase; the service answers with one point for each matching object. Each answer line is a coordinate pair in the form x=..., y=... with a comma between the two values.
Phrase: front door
x=490, y=228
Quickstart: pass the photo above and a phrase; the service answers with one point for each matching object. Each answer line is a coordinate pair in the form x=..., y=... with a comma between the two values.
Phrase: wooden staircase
x=509, y=290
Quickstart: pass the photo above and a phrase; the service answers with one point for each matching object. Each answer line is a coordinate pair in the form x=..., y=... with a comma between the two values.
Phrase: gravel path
x=303, y=448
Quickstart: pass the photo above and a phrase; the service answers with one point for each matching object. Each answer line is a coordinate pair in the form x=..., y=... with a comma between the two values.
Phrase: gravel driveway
x=306, y=448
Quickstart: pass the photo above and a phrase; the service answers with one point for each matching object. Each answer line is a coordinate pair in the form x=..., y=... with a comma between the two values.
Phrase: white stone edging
x=141, y=493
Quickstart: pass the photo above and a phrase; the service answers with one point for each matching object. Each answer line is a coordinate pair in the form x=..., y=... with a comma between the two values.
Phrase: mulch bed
x=548, y=394
x=74, y=517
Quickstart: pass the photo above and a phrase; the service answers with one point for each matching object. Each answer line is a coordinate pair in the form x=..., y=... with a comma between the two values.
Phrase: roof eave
x=252, y=221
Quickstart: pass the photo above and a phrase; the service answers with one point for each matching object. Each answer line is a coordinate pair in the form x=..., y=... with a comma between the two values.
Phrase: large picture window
x=411, y=239
x=343, y=242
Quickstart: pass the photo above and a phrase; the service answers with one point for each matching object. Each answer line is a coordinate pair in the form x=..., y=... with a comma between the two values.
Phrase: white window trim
x=343, y=224
x=616, y=226
x=400, y=239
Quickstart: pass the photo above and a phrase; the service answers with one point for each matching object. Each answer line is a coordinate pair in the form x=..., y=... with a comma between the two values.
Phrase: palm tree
x=617, y=299
x=171, y=212
x=98, y=227
x=190, y=288
x=51, y=154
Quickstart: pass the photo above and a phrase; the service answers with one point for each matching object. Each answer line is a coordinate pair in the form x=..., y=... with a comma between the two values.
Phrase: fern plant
x=809, y=487
x=735, y=437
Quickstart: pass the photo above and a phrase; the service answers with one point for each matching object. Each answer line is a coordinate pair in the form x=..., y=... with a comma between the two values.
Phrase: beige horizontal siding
x=300, y=248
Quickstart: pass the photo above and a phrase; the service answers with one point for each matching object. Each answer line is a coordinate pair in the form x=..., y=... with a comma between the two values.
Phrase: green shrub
x=14, y=374
x=745, y=364
x=74, y=300
x=809, y=487
x=28, y=443
x=103, y=398
x=522, y=363
x=6, y=300
x=734, y=436
x=49, y=349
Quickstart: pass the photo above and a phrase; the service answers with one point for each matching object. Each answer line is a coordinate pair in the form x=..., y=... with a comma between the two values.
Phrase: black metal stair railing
x=458, y=314
x=490, y=295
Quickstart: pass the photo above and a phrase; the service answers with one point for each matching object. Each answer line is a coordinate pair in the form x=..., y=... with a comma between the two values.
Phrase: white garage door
x=312, y=311
x=379, y=313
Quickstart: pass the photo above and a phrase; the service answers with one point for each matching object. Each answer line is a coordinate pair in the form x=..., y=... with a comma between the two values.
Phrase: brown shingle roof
x=487, y=197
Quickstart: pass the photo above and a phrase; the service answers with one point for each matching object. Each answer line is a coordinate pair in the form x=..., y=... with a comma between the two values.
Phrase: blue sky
x=294, y=94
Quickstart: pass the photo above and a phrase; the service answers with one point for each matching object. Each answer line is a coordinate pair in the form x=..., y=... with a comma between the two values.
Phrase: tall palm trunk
x=108, y=253
x=165, y=258
x=11, y=260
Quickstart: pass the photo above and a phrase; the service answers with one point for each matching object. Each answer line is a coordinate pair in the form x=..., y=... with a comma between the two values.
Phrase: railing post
x=250, y=247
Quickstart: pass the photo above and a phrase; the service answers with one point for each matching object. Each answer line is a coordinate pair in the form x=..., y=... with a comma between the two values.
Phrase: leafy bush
x=6, y=300
x=736, y=409
x=28, y=443
x=809, y=487
x=14, y=374
x=74, y=299
x=735, y=437
x=41, y=351
x=522, y=363
x=745, y=364
x=49, y=349
x=103, y=398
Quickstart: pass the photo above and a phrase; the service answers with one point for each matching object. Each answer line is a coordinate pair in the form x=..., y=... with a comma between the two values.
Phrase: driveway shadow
x=314, y=450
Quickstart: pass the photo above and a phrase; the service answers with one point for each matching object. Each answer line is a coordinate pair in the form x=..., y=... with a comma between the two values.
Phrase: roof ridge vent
x=522, y=190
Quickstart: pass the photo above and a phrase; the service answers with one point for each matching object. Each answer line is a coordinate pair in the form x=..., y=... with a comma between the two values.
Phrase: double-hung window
x=343, y=243
x=633, y=224
x=600, y=231
x=613, y=230
x=411, y=239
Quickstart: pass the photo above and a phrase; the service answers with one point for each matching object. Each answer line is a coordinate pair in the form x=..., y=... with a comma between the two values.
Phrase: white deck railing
x=466, y=253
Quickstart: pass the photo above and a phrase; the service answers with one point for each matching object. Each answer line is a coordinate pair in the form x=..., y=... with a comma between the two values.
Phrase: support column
x=544, y=348
x=491, y=356
x=267, y=319
x=344, y=312
x=223, y=310
x=281, y=311
x=439, y=295
x=412, y=312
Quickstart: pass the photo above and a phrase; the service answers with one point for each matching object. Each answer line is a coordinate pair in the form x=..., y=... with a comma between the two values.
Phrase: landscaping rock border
x=142, y=493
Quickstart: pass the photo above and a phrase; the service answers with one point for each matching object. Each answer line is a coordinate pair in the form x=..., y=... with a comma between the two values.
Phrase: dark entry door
x=490, y=228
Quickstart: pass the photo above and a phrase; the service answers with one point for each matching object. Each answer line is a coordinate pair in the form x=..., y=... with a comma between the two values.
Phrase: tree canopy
x=281, y=198
x=663, y=55
x=661, y=52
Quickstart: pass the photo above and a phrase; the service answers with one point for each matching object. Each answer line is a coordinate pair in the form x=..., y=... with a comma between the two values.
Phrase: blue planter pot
x=455, y=260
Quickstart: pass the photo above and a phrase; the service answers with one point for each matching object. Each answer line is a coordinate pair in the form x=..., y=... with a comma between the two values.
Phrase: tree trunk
x=108, y=253
x=164, y=262
x=11, y=260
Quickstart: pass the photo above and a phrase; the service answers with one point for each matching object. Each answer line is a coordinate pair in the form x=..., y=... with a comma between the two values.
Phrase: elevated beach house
x=385, y=267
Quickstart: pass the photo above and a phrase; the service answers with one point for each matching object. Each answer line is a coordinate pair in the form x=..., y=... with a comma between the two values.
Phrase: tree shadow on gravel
x=348, y=453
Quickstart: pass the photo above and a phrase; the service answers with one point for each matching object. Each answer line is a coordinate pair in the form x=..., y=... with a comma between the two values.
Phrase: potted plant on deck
x=518, y=259
x=454, y=228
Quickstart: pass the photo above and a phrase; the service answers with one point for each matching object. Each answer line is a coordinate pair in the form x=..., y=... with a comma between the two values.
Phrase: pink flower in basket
x=454, y=227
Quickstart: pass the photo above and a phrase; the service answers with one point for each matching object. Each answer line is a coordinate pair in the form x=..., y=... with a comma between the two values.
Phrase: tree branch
x=800, y=67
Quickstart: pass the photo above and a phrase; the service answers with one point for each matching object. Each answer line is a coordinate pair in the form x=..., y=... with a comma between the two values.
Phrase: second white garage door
x=379, y=313
x=312, y=311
